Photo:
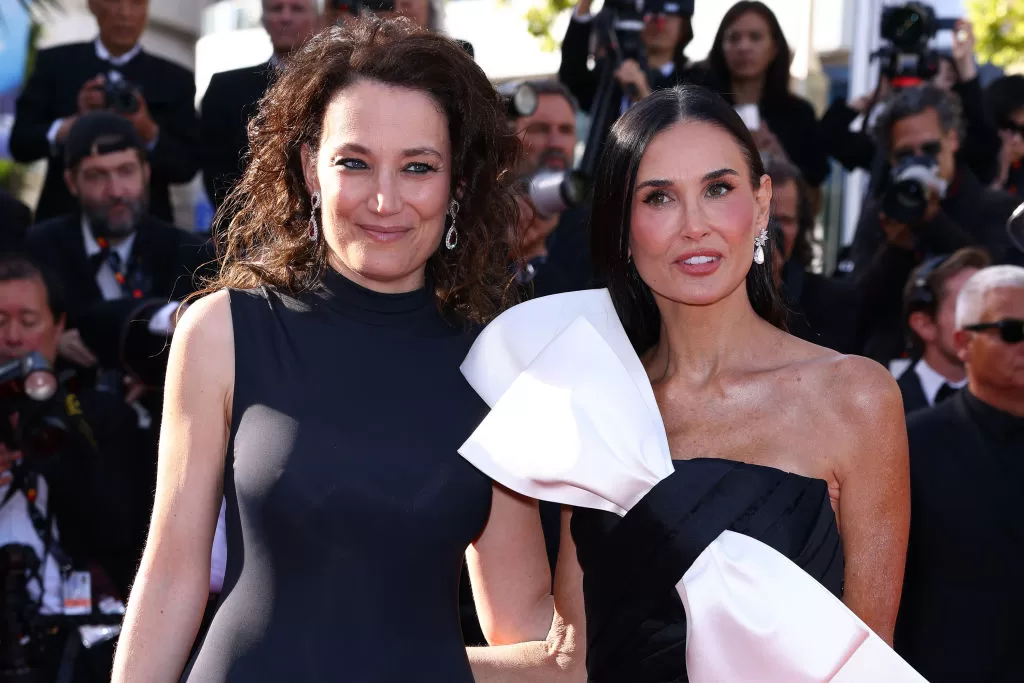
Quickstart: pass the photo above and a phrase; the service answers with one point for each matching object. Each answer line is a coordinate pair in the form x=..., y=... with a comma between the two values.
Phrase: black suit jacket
x=15, y=218
x=173, y=262
x=51, y=93
x=960, y=615
x=913, y=393
x=230, y=101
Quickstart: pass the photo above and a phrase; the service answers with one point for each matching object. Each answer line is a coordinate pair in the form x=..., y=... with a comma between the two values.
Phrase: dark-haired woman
x=317, y=386
x=749, y=65
x=766, y=436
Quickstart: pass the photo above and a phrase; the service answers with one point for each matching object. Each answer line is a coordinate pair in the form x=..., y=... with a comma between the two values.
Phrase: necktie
x=113, y=259
x=945, y=391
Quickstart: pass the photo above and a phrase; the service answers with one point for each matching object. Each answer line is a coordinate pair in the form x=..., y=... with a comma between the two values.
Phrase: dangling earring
x=451, y=238
x=760, y=241
x=314, y=229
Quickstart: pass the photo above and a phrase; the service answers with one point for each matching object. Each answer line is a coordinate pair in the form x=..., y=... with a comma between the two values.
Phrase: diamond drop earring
x=759, y=242
x=451, y=238
x=314, y=228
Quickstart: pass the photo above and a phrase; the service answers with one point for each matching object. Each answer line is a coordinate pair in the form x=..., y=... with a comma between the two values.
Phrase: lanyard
x=121, y=274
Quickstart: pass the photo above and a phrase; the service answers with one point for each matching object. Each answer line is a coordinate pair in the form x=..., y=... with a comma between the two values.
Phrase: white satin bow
x=574, y=421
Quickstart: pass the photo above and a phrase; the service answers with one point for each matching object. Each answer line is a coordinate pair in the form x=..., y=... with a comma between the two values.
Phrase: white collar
x=667, y=69
x=104, y=54
x=932, y=381
x=92, y=247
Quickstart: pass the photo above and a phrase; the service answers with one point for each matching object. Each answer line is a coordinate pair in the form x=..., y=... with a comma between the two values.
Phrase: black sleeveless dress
x=636, y=624
x=348, y=506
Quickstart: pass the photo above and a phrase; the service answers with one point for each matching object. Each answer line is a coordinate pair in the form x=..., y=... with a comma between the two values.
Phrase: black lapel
x=79, y=262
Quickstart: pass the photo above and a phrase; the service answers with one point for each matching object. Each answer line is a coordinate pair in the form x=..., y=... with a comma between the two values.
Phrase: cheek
x=652, y=231
x=732, y=217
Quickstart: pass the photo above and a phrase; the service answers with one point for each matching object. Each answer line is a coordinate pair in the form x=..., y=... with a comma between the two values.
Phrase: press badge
x=78, y=593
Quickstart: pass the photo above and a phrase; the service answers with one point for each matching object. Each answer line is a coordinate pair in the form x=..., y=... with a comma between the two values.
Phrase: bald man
x=960, y=617
x=231, y=97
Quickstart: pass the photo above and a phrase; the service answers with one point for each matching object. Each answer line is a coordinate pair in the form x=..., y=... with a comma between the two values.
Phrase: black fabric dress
x=636, y=624
x=348, y=506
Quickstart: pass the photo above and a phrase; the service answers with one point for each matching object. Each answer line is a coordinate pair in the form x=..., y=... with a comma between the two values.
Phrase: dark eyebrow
x=412, y=152
x=720, y=173
x=655, y=182
x=661, y=182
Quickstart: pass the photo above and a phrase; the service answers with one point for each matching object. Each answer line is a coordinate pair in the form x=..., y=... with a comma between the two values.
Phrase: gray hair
x=970, y=304
x=552, y=87
x=917, y=100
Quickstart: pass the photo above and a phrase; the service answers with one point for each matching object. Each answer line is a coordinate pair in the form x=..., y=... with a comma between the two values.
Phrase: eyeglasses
x=1010, y=331
x=1012, y=127
x=930, y=149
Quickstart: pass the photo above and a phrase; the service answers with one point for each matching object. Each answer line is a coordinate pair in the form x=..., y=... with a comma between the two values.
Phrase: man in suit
x=125, y=271
x=232, y=96
x=959, y=618
x=112, y=73
x=929, y=304
x=15, y=219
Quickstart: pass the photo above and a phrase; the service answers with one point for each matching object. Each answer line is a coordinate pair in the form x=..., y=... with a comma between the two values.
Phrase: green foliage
x=540, y=18
x=998, y=30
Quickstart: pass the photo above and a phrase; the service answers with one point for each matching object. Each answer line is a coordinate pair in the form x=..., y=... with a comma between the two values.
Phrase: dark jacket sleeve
x=219, y=165
x=852, y=149
x=35, y=112
x=176, y=155
x=981, y=144
x=807, y=153
x=573, y=71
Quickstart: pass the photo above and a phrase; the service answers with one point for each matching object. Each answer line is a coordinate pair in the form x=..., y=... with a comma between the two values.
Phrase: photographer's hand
x=90, y=98
x=963, y=50
x=144, y=124
x=74, y=349
x=628, y=74
x=898, y=234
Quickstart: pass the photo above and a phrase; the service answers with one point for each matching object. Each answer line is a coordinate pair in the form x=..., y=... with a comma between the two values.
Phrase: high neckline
x=371, y=306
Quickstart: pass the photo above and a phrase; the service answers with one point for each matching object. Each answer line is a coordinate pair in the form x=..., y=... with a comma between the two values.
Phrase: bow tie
x=945, y=391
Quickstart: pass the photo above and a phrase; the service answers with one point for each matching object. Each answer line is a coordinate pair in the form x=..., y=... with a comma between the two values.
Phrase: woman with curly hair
x=316, y=387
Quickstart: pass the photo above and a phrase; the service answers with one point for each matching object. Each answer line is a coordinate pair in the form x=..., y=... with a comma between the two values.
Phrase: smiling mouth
x=384, y=234
x=699, y=260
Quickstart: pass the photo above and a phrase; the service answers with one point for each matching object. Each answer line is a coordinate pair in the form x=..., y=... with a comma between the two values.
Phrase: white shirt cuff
x=51, y=135
x=582, y=18
x=161, y=322
x=152, y=145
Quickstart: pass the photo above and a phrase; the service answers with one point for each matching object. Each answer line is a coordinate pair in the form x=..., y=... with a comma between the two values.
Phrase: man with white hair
x=960, y=614
x=231, y=97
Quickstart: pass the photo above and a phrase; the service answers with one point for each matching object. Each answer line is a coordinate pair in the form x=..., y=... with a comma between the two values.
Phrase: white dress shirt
x=932, y=381
x=16, y=527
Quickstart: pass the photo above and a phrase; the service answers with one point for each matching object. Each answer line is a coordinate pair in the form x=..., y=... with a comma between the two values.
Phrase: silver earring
x=314, y=229
x=760, y=241
x=451, y=238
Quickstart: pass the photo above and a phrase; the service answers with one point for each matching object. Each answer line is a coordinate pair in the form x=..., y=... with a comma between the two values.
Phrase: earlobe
x=962, y=342
x=71, y=185
x=309, y=169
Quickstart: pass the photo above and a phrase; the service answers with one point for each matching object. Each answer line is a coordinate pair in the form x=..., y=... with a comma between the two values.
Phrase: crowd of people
x=331, y=437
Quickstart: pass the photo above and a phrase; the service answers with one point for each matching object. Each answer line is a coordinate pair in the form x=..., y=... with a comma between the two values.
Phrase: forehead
x=687, y=150
x=749, y=22
x=785, y=196
x=109, y=161
x=28, y=294
x=553, y=107
x=1004, y=302
x=925, y=125
x=385, y=117
x=271, y=5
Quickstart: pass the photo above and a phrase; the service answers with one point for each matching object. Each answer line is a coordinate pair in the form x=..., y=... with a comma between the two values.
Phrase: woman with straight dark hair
x=717, y=536
x=749, y=65
x=316, y=388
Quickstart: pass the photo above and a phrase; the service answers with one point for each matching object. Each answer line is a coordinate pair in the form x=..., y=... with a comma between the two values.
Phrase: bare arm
x=874, y=494
x=561, y=656
x=172, y=587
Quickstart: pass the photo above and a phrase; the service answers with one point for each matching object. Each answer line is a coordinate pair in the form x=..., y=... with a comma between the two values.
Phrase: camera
x=907, y=29
x=520, y=99
x=355, y=7
x=551, y=192
x=119, y=94
x=912, y=182
x=27, y=389
x=1015, y=227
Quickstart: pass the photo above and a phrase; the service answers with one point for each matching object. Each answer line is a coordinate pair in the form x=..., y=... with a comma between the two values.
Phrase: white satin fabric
x=574, y=421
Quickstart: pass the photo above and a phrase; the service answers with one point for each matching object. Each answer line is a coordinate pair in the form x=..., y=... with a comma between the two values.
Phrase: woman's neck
x=747, y=91
x=657, y=60
x=699, y=342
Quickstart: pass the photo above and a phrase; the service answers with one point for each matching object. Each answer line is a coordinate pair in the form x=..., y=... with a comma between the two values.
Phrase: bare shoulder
x=865, y=391
x=202, y=348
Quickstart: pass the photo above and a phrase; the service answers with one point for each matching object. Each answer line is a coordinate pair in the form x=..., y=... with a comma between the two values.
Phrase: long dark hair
x=613, y=201
x=776, y=82
x=269, y=209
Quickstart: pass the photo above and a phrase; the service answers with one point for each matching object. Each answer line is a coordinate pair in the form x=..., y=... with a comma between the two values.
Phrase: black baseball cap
x=99, y=132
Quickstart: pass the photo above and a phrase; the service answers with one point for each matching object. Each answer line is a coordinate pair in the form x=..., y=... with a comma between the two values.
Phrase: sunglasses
x=1010, y=331
x=1012, y=127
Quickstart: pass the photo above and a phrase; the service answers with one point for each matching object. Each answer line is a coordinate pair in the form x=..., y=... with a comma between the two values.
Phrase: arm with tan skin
x=560, y=656
x=170, y=593
x=874, y=492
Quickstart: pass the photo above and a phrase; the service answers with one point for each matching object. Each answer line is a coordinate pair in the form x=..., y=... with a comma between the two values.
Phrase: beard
x=100, y=223
x=555, y=159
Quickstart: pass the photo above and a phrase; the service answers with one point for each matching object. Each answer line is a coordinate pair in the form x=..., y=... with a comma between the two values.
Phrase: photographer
x=1004, y=100
x=111, y=73
x=68, y=481
x=924, y=204
x=553, y=236
x=667, y=30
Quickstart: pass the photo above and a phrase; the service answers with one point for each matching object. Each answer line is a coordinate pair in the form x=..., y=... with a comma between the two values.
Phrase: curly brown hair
x=266, y=240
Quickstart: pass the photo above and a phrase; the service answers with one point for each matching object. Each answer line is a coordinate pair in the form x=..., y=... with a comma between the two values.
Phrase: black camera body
x=907, y=30
x=912, y=183
x=28, y=389
x=355, y=7
x=120, y=95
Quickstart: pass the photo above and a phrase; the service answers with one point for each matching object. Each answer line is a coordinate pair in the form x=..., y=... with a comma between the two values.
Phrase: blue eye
x=420, y=167
x=351, y=164
x=719, y=190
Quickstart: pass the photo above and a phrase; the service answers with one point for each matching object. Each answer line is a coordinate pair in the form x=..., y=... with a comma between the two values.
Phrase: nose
x=386, y=201
x=694, y=225
x=12, y=338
